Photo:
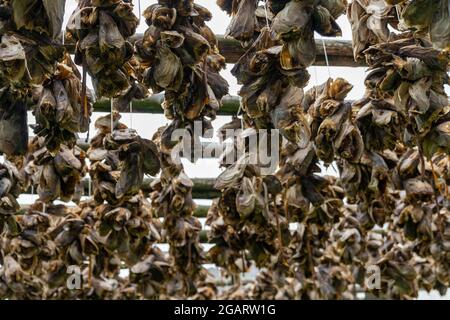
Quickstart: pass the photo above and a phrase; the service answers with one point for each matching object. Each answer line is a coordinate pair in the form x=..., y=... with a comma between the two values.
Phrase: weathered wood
x=200, y=211
x=81, y=143
x=203, y=188
x=340, y=52
x=230, y=105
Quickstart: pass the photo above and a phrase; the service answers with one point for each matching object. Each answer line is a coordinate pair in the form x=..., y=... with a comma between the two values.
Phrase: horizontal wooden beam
x=339, y=52
x=203, y=187
x=81, y=143
x=230, y=105
x=200, y=211
x=152, y=105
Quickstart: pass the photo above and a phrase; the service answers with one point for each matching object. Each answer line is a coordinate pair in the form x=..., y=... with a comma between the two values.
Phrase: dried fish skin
x=50, y=15
x=195, y=46
x=404, y=87
x=294, y=20
x=163, y=17
x=130, y=155
x=369, y=21
x=242, y=216
x=440, y=28
x=231, y=176
x=417, y=189
x=56, y=175
x=324, y=23
x=49, y=187
x=299, y=53
x=377, y=133
x=295, y=25
x=397, y=266
x=127, y=22
x=335, y=7
x=13, y=56
x=27, y=61
x=12, y=185
x=59, y=111
x=150, y=155
x=226, y=5
x=418, y=14
x=297, y=203
x=110, y=40
x=28, y=55
x=182, y=60
x=167, y=71
x=272, y=76
x=151, y=273
x=100, y=38
x=245, y=199
x=300, y=161
x=437, y=140
x=292, y=123
x=13, y=124
x=328, y=131
x=386, y=206
x=172, y=39
x=131, y=177
x=242, y=25
x=415, y=89
x=66, y=161
x=174, y=201
x=349, y=143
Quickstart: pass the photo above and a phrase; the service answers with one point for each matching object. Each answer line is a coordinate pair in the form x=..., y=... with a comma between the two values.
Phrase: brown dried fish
x=100, y=33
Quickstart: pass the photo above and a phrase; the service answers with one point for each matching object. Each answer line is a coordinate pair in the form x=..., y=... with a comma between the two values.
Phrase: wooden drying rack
x=339, y=52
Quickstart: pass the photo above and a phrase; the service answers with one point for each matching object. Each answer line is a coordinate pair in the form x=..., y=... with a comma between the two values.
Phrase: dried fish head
x=13, y=124
x=242, y=25
x=39, y=16
x=294, y=20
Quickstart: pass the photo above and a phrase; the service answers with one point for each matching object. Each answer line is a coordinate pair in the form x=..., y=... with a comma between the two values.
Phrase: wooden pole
x=340, y=52
x=230, y=105
x=200, y=211
x=203, y=188
x=81, y=143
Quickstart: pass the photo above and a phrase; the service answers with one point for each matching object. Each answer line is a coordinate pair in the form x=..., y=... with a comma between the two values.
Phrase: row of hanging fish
x=312, y=236
x=179, y=55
